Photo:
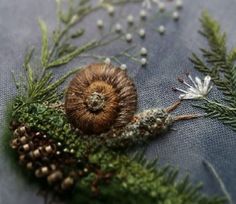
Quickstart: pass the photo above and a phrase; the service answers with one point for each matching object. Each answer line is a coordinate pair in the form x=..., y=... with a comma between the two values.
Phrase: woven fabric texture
x=187, y=145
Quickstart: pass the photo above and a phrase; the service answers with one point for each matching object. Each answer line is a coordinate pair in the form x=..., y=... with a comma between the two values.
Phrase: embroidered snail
x=101, y=102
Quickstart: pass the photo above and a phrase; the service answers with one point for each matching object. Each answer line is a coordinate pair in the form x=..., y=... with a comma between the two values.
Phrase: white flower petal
x=189, y=96
x=191, y=79
x=206, y=84
x=181, y=90
x=199, y=83
x=187, y=84
x=181, y=96
x=193, y=91
x=209, y=89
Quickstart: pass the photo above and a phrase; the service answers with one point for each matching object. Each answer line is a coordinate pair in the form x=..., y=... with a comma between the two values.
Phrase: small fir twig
x=219, y=63
x=212, y=170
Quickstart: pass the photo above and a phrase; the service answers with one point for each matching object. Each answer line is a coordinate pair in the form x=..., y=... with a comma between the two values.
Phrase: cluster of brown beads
x=46, y=159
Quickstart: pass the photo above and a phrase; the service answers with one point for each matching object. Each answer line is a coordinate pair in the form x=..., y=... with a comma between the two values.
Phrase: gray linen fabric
x=187, y=145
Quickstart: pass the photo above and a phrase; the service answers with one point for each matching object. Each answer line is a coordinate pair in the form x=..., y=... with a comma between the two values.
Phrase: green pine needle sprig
x=59, y=48
x=218, y=62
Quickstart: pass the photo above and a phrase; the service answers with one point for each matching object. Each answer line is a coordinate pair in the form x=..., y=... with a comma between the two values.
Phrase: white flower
x=199, y=89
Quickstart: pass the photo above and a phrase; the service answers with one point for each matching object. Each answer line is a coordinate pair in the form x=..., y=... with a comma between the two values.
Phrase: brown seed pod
x=40, y=157
x=100, y=97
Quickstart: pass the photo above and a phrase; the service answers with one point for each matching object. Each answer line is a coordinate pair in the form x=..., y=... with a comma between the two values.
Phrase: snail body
x=142, y=127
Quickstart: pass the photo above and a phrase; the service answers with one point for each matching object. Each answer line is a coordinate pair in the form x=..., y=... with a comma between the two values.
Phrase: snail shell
x=100, y=97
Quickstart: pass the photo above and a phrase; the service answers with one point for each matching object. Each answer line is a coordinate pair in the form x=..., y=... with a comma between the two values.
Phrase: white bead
x=143, y=51
x=100, y=24
x=162, y=7
x=144, y=61
x=107, y=61
x=161, y=29
x=179, y=4
x=129, y=37
x=175, y=15
x=143, y=14
x=130, y=19
x=142, y=33
x=123, y=66
x=111, y=10
x=118, y=28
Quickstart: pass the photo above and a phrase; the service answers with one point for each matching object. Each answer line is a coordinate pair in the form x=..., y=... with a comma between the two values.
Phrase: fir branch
x=70, y=56
x=232, y=55
x=44, y=50
x=212, y=32
x=218, y=62
x=223, y=113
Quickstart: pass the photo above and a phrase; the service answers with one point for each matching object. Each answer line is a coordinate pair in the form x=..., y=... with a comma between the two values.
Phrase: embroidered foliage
x=218, y=62
x=84, y=169
x=99, y=174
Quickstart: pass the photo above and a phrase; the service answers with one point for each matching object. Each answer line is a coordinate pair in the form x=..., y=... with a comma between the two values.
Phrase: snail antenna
x=187, y=117
x=173, y=106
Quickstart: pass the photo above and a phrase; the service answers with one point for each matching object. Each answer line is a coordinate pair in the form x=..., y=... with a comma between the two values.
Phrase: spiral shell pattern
x=100, y=97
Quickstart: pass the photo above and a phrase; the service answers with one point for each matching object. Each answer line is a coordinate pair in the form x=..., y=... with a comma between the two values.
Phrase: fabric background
x=187, y=145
